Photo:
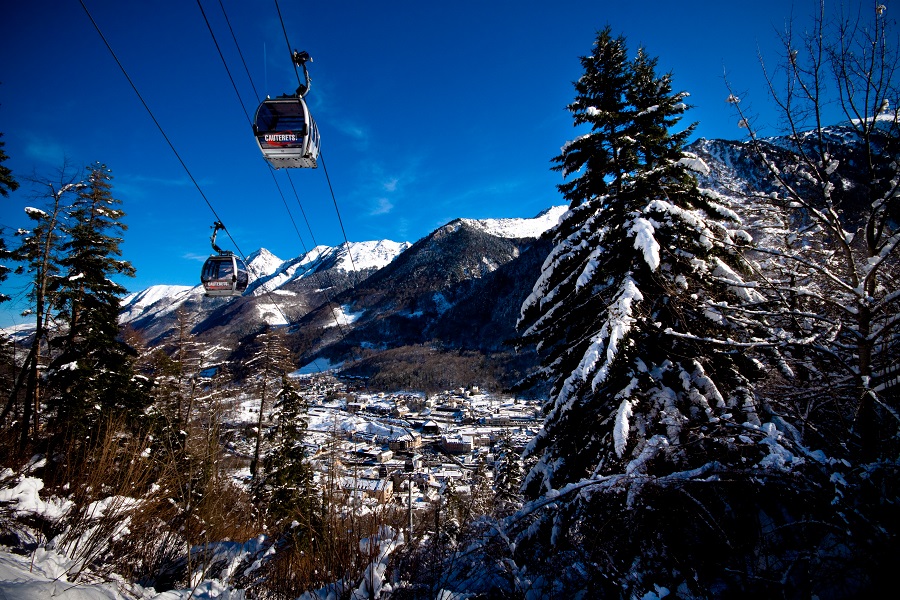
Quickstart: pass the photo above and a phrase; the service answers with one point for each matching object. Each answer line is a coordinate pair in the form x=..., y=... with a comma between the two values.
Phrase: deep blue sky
x=428, y=111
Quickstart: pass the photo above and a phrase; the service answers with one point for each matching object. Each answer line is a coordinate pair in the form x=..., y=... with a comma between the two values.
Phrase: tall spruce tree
x=288, y=480
x=508, y=474
x=630, y=315
x=627, y=299
x=92, y=375
x=270, y=362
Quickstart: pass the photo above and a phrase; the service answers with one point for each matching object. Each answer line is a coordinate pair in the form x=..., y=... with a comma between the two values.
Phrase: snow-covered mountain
x=271, y=273
x=362, y=294
x=158, y=300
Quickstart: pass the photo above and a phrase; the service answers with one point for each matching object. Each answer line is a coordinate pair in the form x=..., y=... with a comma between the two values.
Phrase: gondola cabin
x=224, y=275
x=286, y=133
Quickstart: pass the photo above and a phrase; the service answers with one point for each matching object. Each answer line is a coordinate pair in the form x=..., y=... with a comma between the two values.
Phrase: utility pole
x=413, y=472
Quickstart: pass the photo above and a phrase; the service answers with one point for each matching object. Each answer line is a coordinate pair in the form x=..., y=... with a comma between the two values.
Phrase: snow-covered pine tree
x=508, y=475
x=625, y=308
x=92, y=372
x=630, y=315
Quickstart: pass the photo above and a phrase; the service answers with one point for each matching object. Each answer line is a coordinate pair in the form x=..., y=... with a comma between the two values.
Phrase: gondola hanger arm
x=216, y=227
x=300, y=59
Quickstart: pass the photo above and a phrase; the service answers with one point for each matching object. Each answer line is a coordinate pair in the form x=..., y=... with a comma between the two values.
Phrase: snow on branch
x=35, y=213
x=692, y=162
x=643, y=231
x=623, y=414
x=617, y=325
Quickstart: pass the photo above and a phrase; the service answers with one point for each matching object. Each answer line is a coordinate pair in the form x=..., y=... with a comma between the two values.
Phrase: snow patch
x=343, y=316
x=270, y=314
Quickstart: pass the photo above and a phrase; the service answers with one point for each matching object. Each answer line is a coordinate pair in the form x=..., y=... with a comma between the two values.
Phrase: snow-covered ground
x=271, y=314
x=45, y=572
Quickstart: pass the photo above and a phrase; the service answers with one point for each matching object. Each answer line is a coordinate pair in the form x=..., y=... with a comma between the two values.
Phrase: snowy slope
x=355, y=256
x=520, y=228
x=369, y=255
x=159, y=300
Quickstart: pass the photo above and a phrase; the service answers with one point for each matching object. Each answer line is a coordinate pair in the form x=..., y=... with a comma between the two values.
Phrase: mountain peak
x=263, y=263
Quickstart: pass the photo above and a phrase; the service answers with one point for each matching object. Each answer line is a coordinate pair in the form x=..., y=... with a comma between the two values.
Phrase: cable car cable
x=271, y=170
x=241, y=54
x=340, y=221
x=302, y=212
x=244, y=108
x=355, y=278
x=150, y=112
x=327, y=178
x=168, y=141
x=222, y=57
x=287, y=41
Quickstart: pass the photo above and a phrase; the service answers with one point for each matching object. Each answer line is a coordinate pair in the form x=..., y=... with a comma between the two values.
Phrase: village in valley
x=404, y=448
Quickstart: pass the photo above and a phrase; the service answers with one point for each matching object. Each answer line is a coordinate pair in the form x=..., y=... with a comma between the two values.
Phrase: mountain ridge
x=374, y=294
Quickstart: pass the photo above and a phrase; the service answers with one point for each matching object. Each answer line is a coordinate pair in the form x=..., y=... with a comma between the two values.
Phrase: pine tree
x=631, y=317
x=92, y=373
x=175, y=372
x=628, y=295
x=270, y=362
x=4, y=270
x=508, y=476
x=288, y=480
x=7, y=184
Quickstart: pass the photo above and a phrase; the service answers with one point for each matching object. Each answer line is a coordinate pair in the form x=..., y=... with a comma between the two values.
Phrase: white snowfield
x=135, y=305
x=520, y=228
x=44, y=573
x=44, y=577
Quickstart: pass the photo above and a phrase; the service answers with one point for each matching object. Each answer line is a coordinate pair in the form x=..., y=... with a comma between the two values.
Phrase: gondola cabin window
x=283, y=116
x=218, y=269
